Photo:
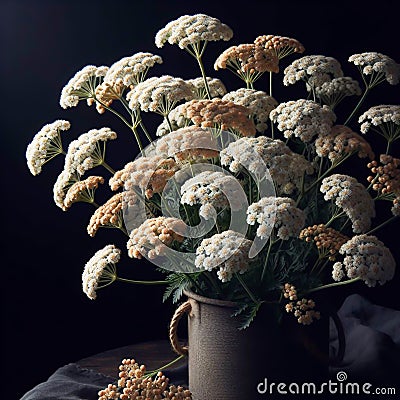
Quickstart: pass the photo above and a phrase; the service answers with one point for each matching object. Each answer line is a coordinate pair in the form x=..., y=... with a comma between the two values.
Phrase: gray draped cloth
x=372, y=355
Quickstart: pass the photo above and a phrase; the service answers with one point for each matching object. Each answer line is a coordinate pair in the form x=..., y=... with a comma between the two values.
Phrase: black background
x=46, y=320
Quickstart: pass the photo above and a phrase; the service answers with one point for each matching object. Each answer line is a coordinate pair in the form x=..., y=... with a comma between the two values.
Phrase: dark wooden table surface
x=152, y=354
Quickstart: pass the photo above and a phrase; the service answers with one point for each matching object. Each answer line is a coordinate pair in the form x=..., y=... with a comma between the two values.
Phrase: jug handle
x=173, y=328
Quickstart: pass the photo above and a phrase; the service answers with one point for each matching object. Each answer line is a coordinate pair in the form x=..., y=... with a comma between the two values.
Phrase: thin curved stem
x=349, y=118
x=142, y=282
x=334, y=284
x=156, y=371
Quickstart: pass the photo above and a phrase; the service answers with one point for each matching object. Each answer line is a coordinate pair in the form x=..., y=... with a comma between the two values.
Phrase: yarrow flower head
x=227, y=250
x=159, y=94
x=189, y=30
x=82, y=191
x=108, y=215
x=188, y=145
x=367, y=258
x=379, y=66
x=282, y=45
x=340, y=142
x=327, y=240
x=135, y=383
x=216, y=87
x=149, y=174
x=302, y=309
x=45, y=145
x=352, y=197
x=212, y=189
x=303, y=119
x=255, y=154
x=100, y=270
x=82, y=86
x=384, y=119
x=220, y=114
x=84, y=153
x=257, y=101
x=153, y=236
x=333, y=92
x=278, y=213
x=314, y=70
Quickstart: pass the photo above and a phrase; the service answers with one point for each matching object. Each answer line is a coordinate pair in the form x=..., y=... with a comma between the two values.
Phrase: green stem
x=382, y=225
x=334, y=284
x=107, y=167
x=156, y=371
x=245, y=287
x=266, y=260
x=358, y=105
x=142, y=282
x=203, y=74
x=270, y=83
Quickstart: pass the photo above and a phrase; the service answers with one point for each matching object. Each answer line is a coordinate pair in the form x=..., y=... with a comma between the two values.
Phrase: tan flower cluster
x=153, y=235
x=386, y=115
x=190, y=144
x=216, y=86
x=257, y=154
x=220, y=114
x=45, y=145
x=193, y=29
x=386, y=179
x=367, y=258
x=303, y=119
x=378, y=65
x=289, y=292
x=314, y=70
x=150, y=174
x=159, y=94
x=303, y=310
x=100, y=270
x=107, y=215
x=340, y=142
x=327, y=240
x=282, y=45
x=82, y=86
x=134, y=384
x=257, y=101
x=352, y=197
x=248, y=60
x=82, y=191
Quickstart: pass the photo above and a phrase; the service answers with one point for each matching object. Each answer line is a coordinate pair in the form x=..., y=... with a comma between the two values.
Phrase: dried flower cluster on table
x=316, y=225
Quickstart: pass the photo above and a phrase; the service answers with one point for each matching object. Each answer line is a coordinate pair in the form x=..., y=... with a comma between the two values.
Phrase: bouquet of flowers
x=237, y=195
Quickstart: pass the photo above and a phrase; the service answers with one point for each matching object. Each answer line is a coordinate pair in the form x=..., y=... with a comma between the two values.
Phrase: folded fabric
x=70, y=382
x=372, y=342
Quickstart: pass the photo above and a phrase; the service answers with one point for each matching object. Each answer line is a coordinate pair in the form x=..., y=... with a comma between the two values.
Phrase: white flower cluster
x=257, y=101
x=376, y=63
x=314, y=70
x=352, y=197
x=216, y=86
x=82, y=85
x=100, y=269
x=366, y=258
x=83, y=154
x=227, y=250
x=378, y=115
x=303, y=119
x=212, y=189
x=45, y=145
x=256, y=154
x=188, y=144
x=177, y=119
x=159, y=94
x=129, y=71
x=280, y=213
x=192, y=29
x=333, y=91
